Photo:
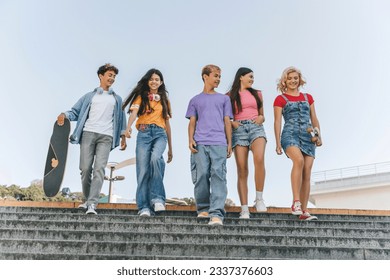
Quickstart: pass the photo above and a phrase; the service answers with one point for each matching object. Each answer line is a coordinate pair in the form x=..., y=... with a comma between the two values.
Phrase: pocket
x=235, y=129
x=260, y=125
x=165, y=136
x=193, y=170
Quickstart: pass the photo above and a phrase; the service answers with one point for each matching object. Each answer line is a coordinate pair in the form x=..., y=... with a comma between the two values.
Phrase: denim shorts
x=246, y=133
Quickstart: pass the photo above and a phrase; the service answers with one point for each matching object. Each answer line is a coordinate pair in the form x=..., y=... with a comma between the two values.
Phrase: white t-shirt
x=101, y=114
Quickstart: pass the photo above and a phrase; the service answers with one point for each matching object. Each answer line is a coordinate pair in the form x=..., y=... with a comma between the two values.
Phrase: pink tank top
x=249, y=106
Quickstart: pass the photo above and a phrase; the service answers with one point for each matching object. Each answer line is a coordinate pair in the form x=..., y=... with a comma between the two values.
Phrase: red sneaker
x=307, y=217
x=296, y=208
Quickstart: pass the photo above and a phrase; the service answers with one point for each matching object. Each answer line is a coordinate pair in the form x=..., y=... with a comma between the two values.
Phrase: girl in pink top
x=248, y=134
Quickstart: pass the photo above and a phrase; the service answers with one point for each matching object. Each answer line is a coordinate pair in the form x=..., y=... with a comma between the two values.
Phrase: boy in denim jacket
x=101, y=123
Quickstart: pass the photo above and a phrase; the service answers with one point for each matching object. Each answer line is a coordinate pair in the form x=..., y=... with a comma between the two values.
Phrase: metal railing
x=350, y=172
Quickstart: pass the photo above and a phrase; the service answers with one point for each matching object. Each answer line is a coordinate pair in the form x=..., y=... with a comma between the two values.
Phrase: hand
x=61, y=119
x=235, y=124
x=123, y=143
x=229, y=151
x=128, y=132
x=170, y=156
x=279, y=149
x=318, y=134
x=192, y=146
x=259, y=120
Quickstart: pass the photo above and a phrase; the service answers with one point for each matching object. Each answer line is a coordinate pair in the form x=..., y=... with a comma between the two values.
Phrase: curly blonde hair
x=282, y=87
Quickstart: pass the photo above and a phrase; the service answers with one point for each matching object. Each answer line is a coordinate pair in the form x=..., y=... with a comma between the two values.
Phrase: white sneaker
x=159, y=207
x=215, y=221
x=203, y=215
x=260, y=205
x=244, y=215
x=91, y=209
x=83, y=205
x=144, y=213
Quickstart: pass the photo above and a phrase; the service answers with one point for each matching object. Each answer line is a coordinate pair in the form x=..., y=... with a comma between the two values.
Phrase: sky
x=50, y=52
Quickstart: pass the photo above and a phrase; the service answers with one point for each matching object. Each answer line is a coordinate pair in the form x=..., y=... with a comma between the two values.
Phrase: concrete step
x=43, y=256
x=68, y=233
x=126, y=212
x=150, y=225
x=181, y=238
x=128, y=249
x=82, y=221
x=261, y=221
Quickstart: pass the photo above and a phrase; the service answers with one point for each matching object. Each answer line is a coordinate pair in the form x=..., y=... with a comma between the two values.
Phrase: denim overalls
x=296, y=121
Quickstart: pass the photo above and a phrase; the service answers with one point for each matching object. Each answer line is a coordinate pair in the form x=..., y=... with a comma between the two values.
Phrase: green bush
x=34, y=193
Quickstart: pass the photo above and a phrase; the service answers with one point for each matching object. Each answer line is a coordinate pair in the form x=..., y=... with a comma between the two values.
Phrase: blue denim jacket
x=80, y=110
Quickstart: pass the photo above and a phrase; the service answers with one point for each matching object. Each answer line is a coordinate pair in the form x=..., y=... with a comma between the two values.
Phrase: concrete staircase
x=68, y=233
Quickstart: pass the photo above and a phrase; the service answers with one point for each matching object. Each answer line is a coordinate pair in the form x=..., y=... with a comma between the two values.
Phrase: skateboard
x=315, y=135
x=56, y=159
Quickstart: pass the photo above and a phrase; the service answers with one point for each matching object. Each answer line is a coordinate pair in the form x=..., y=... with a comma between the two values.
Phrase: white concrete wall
x=359, y=187
x=375, y=198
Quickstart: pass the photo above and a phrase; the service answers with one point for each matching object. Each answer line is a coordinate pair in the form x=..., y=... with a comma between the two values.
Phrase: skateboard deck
x=56, y=159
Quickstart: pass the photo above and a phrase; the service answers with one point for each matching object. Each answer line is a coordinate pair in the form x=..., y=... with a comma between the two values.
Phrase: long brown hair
x=234, y=92
x=142, y=89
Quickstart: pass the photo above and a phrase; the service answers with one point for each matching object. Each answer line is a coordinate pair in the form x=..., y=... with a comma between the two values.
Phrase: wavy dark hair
x=142, y=89
x=107, y=67
x=235, y=89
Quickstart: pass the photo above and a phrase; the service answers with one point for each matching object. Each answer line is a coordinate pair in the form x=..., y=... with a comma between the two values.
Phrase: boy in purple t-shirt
x=210, y=134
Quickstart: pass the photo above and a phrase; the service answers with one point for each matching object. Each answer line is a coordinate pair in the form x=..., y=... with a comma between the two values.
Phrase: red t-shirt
x=281, y=102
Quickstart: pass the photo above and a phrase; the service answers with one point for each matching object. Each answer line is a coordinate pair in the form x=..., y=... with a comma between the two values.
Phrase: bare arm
x=313, y=116
x=260, y=118
x=277, y=128
x=168, y=130
x=123, y=132
x=132, y=118
x=191, y=132
x=228, y=132
x=315, y=122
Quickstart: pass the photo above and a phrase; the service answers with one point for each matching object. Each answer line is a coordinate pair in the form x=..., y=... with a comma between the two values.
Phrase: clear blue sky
x=50, y=51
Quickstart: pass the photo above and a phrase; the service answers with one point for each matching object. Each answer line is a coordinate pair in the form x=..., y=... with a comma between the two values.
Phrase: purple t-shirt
x=210, y=110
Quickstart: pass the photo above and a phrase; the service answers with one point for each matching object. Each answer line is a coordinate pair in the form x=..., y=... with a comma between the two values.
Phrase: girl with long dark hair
x=149, y=102
x=248, y=135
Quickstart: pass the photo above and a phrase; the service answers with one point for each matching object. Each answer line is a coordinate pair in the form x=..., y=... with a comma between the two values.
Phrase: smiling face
x=247, y=80
x=107, y=79
x=213, y=79
x=292, y=81
x=154, y=83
